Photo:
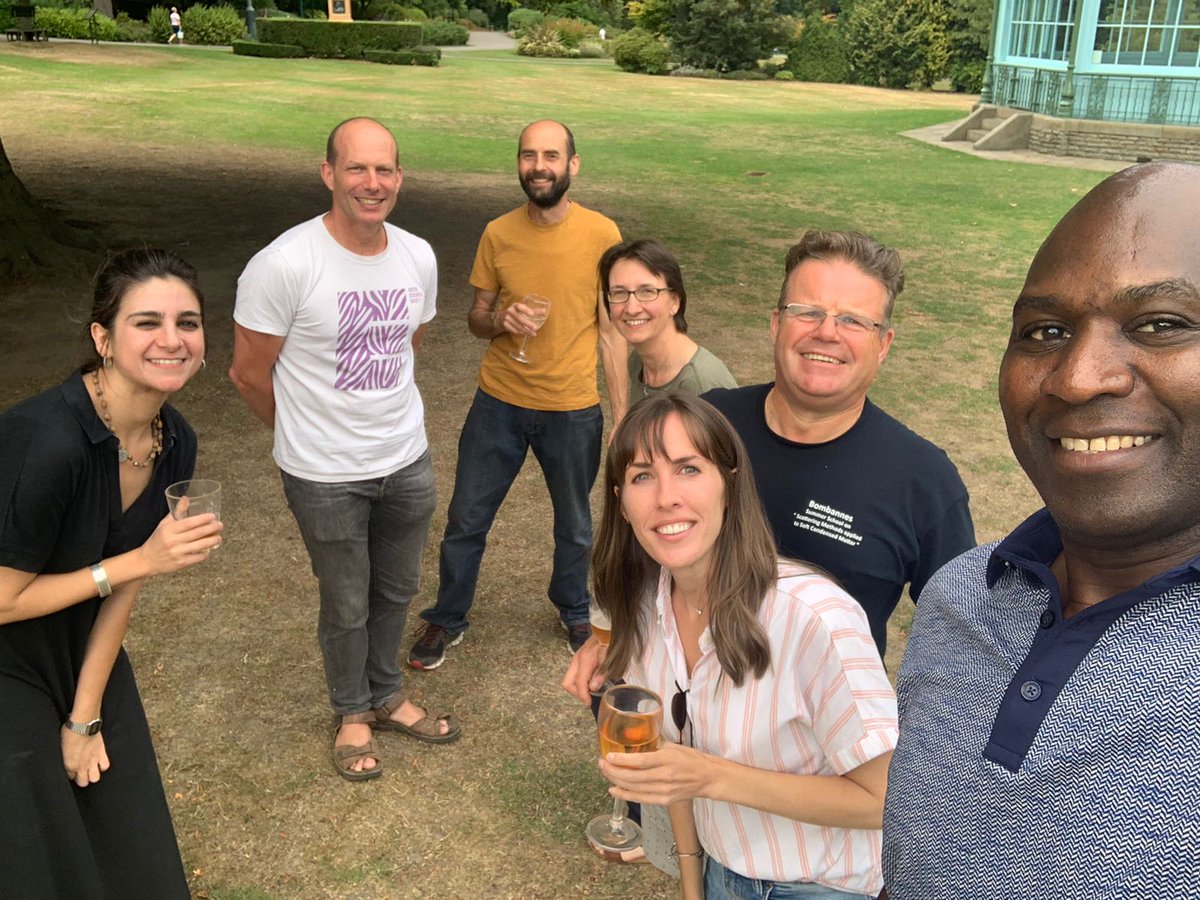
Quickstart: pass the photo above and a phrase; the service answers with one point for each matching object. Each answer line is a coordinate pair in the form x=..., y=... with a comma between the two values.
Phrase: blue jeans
x=491, y=450
x=721, y=883
x=365, y=540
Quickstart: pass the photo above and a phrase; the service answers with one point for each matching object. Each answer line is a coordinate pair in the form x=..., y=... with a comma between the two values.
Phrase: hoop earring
x=203, y=364
x=108, y=362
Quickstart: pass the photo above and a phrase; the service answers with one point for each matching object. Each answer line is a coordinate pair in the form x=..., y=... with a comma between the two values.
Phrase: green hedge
x=417, y=56
x=158, y=20
x=637, y=50
x=819, y=53
x=440, y=33
x=340, y=39
x=73, y=23
x=270, y=51
x=212, y=26
x=521, y=19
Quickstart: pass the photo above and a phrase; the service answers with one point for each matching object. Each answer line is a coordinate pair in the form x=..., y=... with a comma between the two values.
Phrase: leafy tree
x=637, y=50
x=968, y=28
x=898, y=43
x=725, y=35
x=819, y=52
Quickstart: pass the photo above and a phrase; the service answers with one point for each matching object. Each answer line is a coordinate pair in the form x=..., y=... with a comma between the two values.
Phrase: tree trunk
x=31, y=237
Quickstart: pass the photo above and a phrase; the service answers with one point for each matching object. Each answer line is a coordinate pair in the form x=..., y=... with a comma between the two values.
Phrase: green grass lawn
x=666, y=157
x=728, y=174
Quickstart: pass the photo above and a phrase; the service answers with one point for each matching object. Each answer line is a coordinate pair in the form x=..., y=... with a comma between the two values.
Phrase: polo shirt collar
x=1036, y=543
x=79, y=401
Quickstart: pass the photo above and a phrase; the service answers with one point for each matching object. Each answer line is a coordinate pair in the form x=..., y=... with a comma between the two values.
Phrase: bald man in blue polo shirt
x=1050, y=694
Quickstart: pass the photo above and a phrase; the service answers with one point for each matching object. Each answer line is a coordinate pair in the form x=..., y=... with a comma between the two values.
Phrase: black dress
x=60, y=511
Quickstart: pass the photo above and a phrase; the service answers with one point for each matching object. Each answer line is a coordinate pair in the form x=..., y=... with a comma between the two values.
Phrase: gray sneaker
x=429, y=651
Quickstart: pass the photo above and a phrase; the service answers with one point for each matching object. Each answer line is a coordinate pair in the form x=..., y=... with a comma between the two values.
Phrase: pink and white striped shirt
x=823, y=707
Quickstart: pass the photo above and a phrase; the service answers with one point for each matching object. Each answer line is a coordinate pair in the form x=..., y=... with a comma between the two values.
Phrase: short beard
x=551, y=199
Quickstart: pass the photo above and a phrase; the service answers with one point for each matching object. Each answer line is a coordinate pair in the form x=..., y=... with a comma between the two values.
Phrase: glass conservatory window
x=1041, y=29
x=1148, y=33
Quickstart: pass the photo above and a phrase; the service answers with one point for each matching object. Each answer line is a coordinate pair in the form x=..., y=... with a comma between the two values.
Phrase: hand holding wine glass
x=538, y=309
x=630, y=721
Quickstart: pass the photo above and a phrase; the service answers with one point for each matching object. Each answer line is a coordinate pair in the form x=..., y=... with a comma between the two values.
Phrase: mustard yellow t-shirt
x=517, y=257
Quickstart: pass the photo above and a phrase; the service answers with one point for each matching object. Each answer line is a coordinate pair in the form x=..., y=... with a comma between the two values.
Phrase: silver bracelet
x=101, y=578
x=676, y=855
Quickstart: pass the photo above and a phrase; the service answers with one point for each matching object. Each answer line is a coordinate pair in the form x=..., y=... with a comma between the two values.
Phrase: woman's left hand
x=671, y=773
x=84, y=757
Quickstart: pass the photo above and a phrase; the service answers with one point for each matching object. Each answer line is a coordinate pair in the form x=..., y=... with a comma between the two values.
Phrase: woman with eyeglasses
x=83, y=524
x=646, y=300
x=780, y=718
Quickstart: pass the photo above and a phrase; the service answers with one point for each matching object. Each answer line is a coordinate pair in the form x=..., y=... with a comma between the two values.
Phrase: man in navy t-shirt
x=845, y=485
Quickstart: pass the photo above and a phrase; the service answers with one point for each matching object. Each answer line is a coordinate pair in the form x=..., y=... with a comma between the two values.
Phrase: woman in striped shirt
x=781, y=718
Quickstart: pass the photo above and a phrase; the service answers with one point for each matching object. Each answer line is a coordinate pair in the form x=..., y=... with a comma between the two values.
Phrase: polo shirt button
x=1047, y=619
x=1031, y=690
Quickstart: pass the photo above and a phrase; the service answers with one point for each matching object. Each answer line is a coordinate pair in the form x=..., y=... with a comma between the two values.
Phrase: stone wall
x=1113, y=140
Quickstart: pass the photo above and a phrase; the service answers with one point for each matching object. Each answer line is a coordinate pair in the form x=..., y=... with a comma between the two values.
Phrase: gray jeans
x=365, y=540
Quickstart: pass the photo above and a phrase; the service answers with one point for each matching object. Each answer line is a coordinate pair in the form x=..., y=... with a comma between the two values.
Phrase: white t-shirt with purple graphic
x=346, y=405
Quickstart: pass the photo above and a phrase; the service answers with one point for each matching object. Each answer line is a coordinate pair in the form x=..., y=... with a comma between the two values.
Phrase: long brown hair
x=744, y=564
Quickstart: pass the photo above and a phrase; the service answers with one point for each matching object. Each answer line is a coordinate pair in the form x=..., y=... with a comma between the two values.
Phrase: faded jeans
x=491, y=450
x=365, y=540
x=721, y=883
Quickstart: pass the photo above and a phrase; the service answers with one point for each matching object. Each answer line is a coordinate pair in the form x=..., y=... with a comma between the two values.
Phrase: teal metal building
x=1134, y=61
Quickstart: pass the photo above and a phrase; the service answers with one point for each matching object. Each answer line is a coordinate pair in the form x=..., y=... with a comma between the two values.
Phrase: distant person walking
x=176, y=27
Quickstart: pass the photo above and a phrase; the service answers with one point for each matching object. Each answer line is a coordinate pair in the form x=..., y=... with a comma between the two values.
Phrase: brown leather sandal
x=346, y=755
x=425, y=729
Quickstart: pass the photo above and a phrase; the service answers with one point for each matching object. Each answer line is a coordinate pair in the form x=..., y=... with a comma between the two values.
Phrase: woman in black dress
x=83, y=522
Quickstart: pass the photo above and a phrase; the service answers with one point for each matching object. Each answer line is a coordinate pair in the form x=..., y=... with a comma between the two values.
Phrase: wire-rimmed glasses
x=814, y=316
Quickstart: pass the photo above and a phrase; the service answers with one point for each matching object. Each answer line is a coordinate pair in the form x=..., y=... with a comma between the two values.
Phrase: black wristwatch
x=87, y=729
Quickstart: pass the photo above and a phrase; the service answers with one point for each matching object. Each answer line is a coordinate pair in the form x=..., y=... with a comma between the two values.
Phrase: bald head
x=361, y=124
x=1142, y=217
x=548, y=129
x=1099, y=385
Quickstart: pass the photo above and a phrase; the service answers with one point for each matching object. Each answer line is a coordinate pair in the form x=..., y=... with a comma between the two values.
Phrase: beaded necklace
x=122, y=453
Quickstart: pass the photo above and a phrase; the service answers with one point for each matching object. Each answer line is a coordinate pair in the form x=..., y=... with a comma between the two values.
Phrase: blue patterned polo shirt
x=1041, y=757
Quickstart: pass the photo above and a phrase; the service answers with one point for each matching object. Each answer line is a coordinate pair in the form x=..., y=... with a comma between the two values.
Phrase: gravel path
x=485, y=40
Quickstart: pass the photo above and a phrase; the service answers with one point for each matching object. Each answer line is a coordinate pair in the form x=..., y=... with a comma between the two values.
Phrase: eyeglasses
x=814, y=316
x=643, y=294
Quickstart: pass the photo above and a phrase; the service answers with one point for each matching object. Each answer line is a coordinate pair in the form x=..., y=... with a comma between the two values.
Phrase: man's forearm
x=484, y=323
x=260, y=400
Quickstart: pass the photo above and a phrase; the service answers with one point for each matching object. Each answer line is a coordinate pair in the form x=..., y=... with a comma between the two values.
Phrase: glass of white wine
x=601, y=624
x=630, y=722
x=539, y=310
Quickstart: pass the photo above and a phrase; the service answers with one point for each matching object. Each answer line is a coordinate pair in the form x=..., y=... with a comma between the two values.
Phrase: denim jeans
x=721, y=883
x=491, y=450
x=365, y=540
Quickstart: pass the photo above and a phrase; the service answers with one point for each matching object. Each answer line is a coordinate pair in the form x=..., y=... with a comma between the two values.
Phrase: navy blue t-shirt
x=878, y=507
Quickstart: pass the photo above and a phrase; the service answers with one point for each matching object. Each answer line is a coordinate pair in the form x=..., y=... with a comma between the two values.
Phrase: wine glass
x=539, y=309
x=602, y=630
x=630, y=722
x=601, y=624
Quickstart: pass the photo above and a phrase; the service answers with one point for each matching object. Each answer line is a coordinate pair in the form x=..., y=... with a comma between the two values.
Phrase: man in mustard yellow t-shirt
x=548, y=247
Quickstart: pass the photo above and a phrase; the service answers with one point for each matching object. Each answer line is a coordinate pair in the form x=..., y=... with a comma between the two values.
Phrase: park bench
x=24, y=27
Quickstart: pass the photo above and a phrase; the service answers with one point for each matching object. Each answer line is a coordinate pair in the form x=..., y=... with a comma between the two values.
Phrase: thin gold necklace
x=122, y=453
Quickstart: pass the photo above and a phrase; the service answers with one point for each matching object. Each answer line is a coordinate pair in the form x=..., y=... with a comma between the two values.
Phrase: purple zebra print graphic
x=373, y=330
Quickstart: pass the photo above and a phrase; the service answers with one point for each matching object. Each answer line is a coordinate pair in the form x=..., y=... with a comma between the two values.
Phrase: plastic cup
x=203, y=495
